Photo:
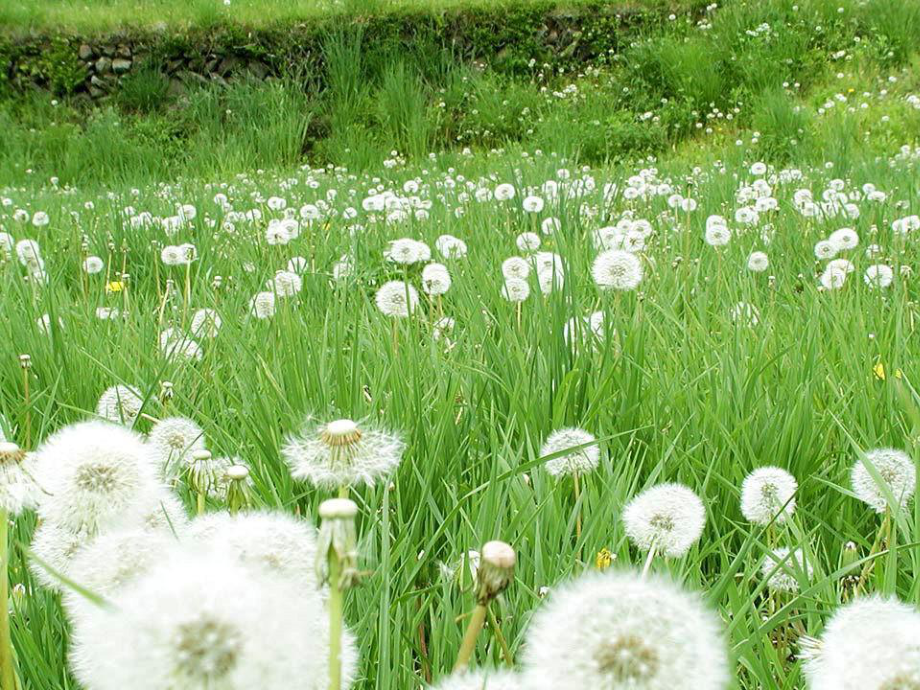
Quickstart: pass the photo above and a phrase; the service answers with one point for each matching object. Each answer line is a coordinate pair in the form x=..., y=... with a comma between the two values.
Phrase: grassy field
x=109, y=15
x=771, y=337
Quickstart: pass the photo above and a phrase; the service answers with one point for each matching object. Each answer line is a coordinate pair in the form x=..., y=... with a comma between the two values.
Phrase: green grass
x=97, y=16
x=690, y=397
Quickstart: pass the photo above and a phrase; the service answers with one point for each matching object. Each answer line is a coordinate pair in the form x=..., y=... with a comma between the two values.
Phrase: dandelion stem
x=648, y=562
x=7, y=673
x=201, y=502
x=577, y=507
x=28, y=406
x=497, y=631
x=343, y=491
x=335, y=620
x=473, y=629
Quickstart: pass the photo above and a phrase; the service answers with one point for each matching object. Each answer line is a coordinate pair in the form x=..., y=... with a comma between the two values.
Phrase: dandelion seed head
x=201, y=621
x=897, y=471
x=435, y=279
x=275, y=542
x=516, y=290
x=18, y=489
x=120, y=404
x=616, y=269
x=483, y=680
x=93, y=475
x=868, y=644
x=579, y=460
x=768, y=493
x=173, y=440
x=615, y=630
x=783, y=568
x=668, y=518
x=396, y=299
x=342, y=453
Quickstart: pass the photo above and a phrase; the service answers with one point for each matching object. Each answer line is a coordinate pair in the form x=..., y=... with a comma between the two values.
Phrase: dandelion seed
x=93, y=476
x=516, y=290
x=276, y=543
x=516, y=267
x=120, y=404
x=617, y=270
x=869, y=644
x=93, y=265
x=579, y=460
x=173, y=440
x=768, y=495
x=262, y=306
x=18, y=490
x=396, y=299
x=54, y=546
x=614, y=630
x=897, y=472
x=879, y=276
x=109, y=563
x=789, y=567
x=435, y=279
x=758, y=262
x=199, y=621
x=342, y=453
x=668, y=518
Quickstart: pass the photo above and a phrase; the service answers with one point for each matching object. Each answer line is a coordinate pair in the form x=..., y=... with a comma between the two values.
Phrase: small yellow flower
x=879, y=370
x=114, y=286
x=603, y=559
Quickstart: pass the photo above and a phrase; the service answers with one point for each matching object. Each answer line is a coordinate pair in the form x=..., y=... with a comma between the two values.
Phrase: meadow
x=668, y=359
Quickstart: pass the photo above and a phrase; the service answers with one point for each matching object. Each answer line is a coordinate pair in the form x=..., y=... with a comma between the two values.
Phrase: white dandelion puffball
x=516, y=267
x=872, y=643
x=745, y=314
x=528, y=242
x=275, y=542
x=668, y=518
x=504, y=191
x=844, y=238
x=396, y=299
x=120, y=404
x=173, y=440
x=588, y=331
x=262, y=306
x=435, y=279
x=162, y=511
x=718, y=235
x=407, y=251
x=110, y=562
x=784, y=569
x=93, y=475
x=286, y=283
x=578, y=461
x=93, y=265
x=18, y=489
x=201, y=622
x=616, y=630
x=825, y=249
x=342, y=453
x=54, y=546
x=879, y=276
x=768, y=493
x=532, y=204
x=616, y=269
x=206, y=323
x=758, y=262
x=451, y=247
x=483, y=680
x=897, y=471
x=516, y=290
x=833, y=278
